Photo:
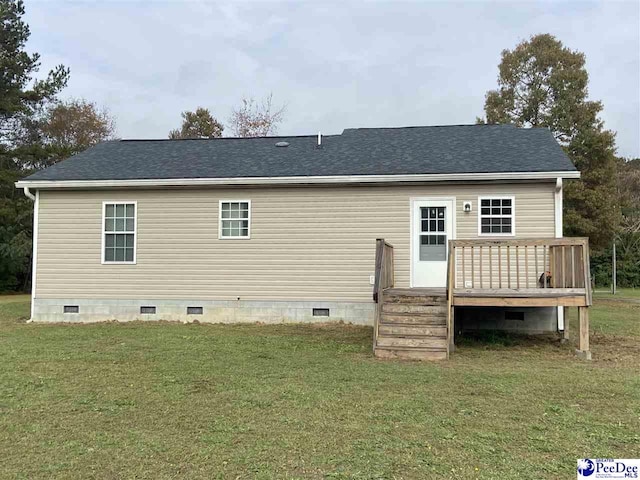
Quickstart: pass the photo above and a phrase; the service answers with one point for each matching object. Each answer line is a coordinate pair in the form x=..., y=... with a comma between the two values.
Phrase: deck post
x=583, y=335
x=451, y=282
x=451, y=330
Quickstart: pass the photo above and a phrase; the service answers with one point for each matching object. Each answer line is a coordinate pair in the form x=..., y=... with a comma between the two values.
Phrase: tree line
x=36, y=131
x=541, y=83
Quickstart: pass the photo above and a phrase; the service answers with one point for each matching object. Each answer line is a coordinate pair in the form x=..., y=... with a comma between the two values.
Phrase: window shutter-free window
x=496, y=216
x=119, y=230
x=234, y=219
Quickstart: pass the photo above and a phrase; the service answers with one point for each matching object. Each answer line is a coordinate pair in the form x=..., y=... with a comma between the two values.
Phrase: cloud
x=335, y=65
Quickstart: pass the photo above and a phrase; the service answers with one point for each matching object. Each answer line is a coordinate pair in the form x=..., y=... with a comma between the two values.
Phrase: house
x=430, y=220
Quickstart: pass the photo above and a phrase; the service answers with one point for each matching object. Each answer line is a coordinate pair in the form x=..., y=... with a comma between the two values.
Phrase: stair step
x=411, y=353
x=409, y=308
x=427, y=331
x=414, y=300
x=417, y=292
x=415, y=341
x=413, y=319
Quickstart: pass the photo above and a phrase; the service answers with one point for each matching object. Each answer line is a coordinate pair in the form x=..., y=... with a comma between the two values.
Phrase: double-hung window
x=235, y=218
x=119, y=232
x=496, y=216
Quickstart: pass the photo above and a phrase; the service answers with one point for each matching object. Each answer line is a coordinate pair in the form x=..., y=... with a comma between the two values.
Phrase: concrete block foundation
x=213, y=311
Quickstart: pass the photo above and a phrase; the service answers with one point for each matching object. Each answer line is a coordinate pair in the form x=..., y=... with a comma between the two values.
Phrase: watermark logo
x=608, y=468
x=586, y=467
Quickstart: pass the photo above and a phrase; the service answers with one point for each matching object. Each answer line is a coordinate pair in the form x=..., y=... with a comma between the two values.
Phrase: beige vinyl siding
x=306, y=242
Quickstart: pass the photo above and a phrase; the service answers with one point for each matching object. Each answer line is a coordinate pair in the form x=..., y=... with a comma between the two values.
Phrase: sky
x=335, y=65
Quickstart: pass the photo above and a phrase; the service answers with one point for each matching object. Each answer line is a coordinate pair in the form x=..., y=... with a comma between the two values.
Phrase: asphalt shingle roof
x=358, y=151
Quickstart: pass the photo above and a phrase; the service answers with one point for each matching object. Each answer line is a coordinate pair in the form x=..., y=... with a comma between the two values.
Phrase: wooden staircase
x=409, y=323
x=412, y=324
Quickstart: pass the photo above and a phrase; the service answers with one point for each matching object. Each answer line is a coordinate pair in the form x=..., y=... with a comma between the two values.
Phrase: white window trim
x=513, y=215
x=220, y=237
x=135, y=230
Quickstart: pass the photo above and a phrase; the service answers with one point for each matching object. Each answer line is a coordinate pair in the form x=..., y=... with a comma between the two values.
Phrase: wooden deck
x=550, y=272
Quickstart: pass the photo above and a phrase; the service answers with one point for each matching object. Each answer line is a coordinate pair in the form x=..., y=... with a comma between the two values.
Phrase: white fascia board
x=338, y=179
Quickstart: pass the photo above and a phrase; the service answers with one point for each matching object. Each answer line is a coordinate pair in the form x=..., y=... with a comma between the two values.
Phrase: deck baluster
x=544, y=266
x=526, y=266
x=473, y=262
x=573, y=267
x=517, y=267
x=499, y=266
x=535, y=253
x=509, y=266
x=464, y=273
x=481, y=262
x=562, y=268
x=490, y=267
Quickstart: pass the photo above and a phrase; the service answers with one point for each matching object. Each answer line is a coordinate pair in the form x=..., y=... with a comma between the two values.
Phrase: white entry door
x=432, y=228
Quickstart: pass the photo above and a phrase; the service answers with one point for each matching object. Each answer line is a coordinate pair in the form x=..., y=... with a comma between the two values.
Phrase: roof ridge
x=275, y=137
x=437, y=126
x=351, y=129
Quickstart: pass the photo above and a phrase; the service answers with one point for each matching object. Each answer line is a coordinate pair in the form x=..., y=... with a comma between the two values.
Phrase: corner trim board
x=34, y=254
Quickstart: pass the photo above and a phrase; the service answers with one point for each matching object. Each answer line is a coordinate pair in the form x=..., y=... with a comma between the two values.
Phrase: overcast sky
x=335, y=65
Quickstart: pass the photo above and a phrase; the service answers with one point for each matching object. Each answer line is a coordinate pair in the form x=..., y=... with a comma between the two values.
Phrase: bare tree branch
x=256, y=119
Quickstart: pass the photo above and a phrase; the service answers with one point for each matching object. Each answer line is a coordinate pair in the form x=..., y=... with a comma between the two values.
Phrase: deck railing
x=517, y=264
x=384, y=278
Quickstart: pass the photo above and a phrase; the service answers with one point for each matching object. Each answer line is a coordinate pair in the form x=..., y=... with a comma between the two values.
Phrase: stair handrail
x=384, y=278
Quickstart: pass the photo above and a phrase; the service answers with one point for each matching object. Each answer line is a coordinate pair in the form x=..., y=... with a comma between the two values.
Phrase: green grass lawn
x=165, y=400
x=622, y=293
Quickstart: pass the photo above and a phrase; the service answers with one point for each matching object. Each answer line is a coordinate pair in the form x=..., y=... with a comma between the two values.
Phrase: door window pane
x=433, y=248
x=433, y=244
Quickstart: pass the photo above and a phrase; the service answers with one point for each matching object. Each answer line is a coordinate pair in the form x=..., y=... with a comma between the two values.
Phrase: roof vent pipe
x=319, y=145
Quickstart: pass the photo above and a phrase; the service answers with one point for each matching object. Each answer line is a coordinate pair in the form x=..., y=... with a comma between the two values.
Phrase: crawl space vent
x=518, y=316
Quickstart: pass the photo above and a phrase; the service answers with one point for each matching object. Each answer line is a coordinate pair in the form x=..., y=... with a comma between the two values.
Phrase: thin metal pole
x=614, y=285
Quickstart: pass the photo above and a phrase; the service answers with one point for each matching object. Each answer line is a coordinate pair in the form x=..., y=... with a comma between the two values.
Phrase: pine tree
x=198, y=124
x=22, y=99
